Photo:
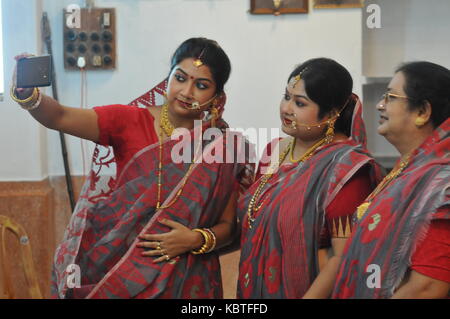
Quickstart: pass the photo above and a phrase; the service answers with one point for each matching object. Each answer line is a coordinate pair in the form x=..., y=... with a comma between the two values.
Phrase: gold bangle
x=33, y=95
x=33, y=104
x=214, y=239
x=207, y=242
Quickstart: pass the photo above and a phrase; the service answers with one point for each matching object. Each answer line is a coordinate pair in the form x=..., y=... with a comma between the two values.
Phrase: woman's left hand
x=169, y=245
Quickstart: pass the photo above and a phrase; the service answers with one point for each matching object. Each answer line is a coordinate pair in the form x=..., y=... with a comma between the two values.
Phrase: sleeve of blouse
x=339, y=213
x=432, y=256
x=111, y=121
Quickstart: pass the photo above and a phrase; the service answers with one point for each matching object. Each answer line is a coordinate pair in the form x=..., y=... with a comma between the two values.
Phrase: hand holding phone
x=33, y=71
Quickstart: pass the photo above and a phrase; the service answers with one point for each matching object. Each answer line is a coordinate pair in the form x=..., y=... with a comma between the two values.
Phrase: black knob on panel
x=82, y=48
x=70, y=47
x=107, y=48
x=95, y=36
x=107, y=60
x=96, y=48
x=71, y=61
x=83, y=36
x=71, y=35
x=107, y=36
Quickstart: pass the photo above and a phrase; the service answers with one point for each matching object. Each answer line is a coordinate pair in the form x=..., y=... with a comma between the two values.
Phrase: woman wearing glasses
x=400, y=247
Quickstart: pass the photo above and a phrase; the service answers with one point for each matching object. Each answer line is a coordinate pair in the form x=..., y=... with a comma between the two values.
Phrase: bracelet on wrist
x=209, y=241
x=29, y=103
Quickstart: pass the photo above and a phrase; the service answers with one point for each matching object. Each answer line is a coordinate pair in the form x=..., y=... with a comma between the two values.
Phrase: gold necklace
x=164, y=122
x=160, y=165
x=309, y=152
x=265, y=178
x=361, y=210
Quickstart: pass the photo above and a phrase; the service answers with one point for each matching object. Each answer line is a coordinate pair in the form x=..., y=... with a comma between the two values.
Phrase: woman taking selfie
x=152, y=230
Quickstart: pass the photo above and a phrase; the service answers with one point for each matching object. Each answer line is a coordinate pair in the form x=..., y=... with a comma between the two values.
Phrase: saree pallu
x=99, y=244
x=279, y=254
x=378, y=255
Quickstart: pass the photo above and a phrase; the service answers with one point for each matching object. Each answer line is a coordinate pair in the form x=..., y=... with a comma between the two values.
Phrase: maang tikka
x=198, y=61
x=297, y=78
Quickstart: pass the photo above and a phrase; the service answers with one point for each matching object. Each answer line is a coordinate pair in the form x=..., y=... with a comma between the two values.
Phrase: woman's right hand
x=22, y=93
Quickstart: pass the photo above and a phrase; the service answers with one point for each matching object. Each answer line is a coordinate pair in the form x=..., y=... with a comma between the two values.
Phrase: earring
x=214, y=113
x=330, y=131
x=419, y=121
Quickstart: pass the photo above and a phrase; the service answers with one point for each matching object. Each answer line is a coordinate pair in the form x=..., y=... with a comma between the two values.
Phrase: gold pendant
x=361, y=210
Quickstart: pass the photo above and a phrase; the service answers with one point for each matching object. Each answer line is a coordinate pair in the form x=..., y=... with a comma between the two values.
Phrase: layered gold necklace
x=253, y=207
x=361, y=210
x=167, y=127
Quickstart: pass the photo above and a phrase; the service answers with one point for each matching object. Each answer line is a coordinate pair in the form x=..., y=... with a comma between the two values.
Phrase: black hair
x=427, y=82
x=212, y=55
x=330, y=85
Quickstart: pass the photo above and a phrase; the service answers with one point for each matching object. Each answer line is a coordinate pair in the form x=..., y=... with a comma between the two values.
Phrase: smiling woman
x=156, y=225
x=407, y=215
x=301, y=206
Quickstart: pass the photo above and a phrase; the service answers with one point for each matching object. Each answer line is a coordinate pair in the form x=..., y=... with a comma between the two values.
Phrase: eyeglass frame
x=385, y=97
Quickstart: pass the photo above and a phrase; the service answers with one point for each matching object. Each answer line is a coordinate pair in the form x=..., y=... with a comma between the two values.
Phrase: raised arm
x=70, y=120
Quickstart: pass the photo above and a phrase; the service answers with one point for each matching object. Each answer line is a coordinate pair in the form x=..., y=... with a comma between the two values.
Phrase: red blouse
x=128, y=129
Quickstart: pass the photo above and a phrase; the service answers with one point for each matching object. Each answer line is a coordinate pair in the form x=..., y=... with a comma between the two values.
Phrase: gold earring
x=420, y=121
x=330, y=131
x=214, y=113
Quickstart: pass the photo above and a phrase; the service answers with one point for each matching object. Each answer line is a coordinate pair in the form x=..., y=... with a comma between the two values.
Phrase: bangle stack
x=209, y=241
x=31, y=102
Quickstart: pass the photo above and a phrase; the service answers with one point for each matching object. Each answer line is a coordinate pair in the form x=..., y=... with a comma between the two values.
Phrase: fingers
x=14, y=77
x=170, y=223
x=152, y=237
x=23, y=55
x=164, y=258
x=153, y=253
x=151, y=244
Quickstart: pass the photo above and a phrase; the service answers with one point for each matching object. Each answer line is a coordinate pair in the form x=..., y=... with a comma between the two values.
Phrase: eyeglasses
x=387, y=97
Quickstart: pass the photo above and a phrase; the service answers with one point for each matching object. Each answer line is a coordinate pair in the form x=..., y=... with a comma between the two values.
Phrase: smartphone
x=34, y=71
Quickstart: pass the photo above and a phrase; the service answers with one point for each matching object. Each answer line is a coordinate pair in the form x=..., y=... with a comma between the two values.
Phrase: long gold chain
x=252, y=209
x=361, y=210
x=160, y=165
x=164, y=122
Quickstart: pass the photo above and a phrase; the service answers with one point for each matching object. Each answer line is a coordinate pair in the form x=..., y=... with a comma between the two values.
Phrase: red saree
x=279, y=254
x=396, y=221
x=111, y=213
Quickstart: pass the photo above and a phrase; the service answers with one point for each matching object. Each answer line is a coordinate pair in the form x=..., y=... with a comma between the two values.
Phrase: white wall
x=263, y=51
x=410, y=30
x=23, y=149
